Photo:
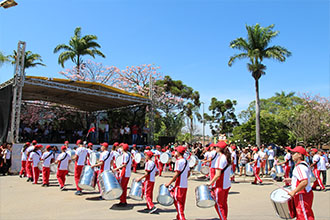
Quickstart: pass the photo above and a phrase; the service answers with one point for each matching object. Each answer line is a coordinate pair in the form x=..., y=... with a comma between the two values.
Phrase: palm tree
x=30, y=60
x=78, y=47
x=3, y=58
x=256, y=48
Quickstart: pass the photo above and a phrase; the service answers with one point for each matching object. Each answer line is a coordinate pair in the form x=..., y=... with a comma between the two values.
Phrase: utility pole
x=203, y=125
x=151, y=119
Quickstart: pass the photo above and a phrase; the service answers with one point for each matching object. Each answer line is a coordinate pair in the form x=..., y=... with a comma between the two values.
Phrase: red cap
x=115, y=144
x=48, y=147
x=212, y=145
x=314, y=150
x=163, y=150
x=148, y=148
x=180, y=149
x=166, y=147
x=157, y=146
x=121, y=144
x=134, y=145
x=255, y=149
x=207, y=148
x=221, y=144
x=233, y=147
x=78, y=142
x=27, y=143
x=66, y=142
x=299, y=149
x=39, y=146
x=105, y=144
x=125, y=147
x=149, y=153
x=288, y=148
x=90, y=144
x=34, y=142
x=63, y=147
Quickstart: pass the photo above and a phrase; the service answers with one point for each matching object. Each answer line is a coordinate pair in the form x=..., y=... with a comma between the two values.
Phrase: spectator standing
x=135, y=130
x=271, y=155
x=323, y=168
x=106, y=131
x=92, y=135
x=145, y=133
x=121, y=134
x=127, y=132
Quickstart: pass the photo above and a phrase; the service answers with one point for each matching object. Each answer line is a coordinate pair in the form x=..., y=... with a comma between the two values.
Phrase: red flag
x=91, y=130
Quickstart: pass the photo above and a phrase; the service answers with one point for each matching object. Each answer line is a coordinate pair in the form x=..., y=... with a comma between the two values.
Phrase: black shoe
x=78, y=193
x=122, y=204
x=153, y=210
x=20, y=176
x=62, y=188
x=47, y=185
x=144, y=210
x=254, y=183
x=43, y=185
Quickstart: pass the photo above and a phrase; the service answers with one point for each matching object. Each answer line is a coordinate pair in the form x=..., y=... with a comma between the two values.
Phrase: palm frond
x=237, y=56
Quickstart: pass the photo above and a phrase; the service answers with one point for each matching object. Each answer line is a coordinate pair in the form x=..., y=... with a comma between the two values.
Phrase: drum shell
x=193, y=160
x=203, y=197
x=53, y=168
x=249, y=170
x=110, y=187
x=164, y=196
x=198, y=167
x=205, y=170
x=135, y=191
x=87, y=179
x=139, y=158
x=71, y=167
x=162, y=158
x=279, y=170
x=119, y=160
x=284, y=206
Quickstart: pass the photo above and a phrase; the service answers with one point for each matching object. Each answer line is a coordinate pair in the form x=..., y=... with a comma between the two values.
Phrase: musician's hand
x=287, y=180
x=138, y=180
x=291, y=193
x=167, y=185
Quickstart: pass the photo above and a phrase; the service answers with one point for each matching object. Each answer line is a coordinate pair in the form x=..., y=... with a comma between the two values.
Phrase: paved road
x=22, y=200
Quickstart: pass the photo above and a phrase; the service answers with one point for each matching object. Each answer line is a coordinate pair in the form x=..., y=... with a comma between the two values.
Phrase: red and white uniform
x=148, y=184
x=134, y=163
x=316, y=171
x=233, y=164
x=304, y=199
x=62, y=169
x=287, y=166
x=81, y=155
x=221, y=187
x=125, y=174
x=262, y=155
x=106, y=157
x=23, y=162
x=180, y=189
x=29, y=161
x=115, y=154
x=35, y=157
x=46, y=157
x=213, y=156
x=256, y=168
x=157, y=161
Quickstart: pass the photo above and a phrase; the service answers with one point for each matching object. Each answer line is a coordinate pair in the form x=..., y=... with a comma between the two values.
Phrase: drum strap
x=64, y=157
x=107, y=157
x=214, y=156
x=152, y=169
x=48, y=156
x=185, y=165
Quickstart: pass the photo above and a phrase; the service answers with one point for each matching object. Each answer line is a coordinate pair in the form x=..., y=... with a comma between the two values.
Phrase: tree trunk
x=78, y=65
x=257, y=113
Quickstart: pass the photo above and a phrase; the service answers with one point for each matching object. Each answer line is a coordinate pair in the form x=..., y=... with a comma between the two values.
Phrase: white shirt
x=133, y=152
x=115, y=154
x=182, y=180
x=150, y=166
x=28, y=152
x=224, y=180
x=287, y=157
x=213, y=155
x=127, y=160
x=81, y=153
x=35, y=157
x=157, y=153
x=106, y=157
x=322, y=164
x=256, y=157
x=271, y=154
x=8, y=154
x=127, y=130
x=24, y=156
x=234, y=157
x=63, y=159
x=262, y=155
x=300, y=173
x=317, y=158
x=46, y=162
x=206, y=155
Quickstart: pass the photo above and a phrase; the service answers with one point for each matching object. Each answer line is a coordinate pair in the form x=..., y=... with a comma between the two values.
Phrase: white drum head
x=192, y=161
x=137, y=157
x=279, y=195
x=205, y=170
x=119, y=160
x=164, y=158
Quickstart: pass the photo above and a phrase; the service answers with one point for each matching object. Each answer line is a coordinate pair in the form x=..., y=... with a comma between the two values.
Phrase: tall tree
x=78, y=47
x=30, y=60
x=256, y=48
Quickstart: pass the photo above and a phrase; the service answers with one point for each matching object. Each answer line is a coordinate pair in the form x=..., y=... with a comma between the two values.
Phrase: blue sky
x=189, y=40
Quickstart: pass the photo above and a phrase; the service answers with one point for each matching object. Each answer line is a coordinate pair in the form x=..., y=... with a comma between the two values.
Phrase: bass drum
x=248, y=170
x=110, y=188
x=94, y=158
x=165, y=158
x=119, y=160
x=203, y=197
x=283, y=203
x=139, y=158
x=193, y=161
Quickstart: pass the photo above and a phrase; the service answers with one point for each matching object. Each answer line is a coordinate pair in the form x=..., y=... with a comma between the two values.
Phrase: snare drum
x=136, y=190
x=205, y=170
x=193, y=161
x=165, y=158
x=203, y=197
x=94, y=158
x=283, y=204
x=119, y=160
x=87, y=179
x=71, y=167
x=249, y=169
x=139, y=158
x=164, y=196
x=110, y=187
x=279, y=170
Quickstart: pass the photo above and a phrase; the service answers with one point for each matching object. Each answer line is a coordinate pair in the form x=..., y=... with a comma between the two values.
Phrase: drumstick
x=280, y=186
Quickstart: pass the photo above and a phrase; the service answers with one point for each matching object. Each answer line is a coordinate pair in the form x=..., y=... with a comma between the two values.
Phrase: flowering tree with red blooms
x=93, y=72
x=310, y=122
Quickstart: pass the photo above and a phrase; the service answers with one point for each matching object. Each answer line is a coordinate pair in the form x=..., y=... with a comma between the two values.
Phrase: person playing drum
x=35, y=157
x=133, y=152
x=47, y=158
x=63, y=160
x=316, y=162
x=80, y=159
x=301, y=192
x=125, y=174
x=287, y=164
x=148, y=184
x=29, y=161
x=182, y=172
x=221, y=181
x=23, y=159
x=256, y=166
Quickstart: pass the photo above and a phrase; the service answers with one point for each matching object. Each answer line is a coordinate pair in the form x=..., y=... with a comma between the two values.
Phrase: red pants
x=29, y=169
x=77, y=173
x=147, y=192
x=61, y=177
x=45, y=175
x=36, y=173
x=318, y=181
x=169, y=166
x=98, y=172
x=212, y=173
x=134, y=165
x=263, y=164
x=220, y=197
x=256, y=171
x=303, y=203
x=287, y=174
x=179, y=196
x=233, y=166
x=123, y=183
x=160, y=167
x=23, y=168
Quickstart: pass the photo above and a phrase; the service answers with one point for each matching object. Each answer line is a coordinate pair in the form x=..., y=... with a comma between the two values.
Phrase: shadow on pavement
x=160, y=210
x=233, y=193
x=121, y=208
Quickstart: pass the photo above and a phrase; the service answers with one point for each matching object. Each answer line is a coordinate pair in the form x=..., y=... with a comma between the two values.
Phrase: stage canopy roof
x=86, y=96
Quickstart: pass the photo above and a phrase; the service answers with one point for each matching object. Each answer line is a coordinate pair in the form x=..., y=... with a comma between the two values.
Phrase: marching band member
x=300, y=184
x=133, y=152
x=256, y=166
x=23, y=159
x=47, y=159
x=148, y=184
x=182, y=172
x=316, y=169
x=105, y=162
x=89, y=152
x=211, y=158
x=80, y=159
x=35, y=157
x=125, y=174
x=160, y=164
x=157, y=155
x=168, y=150
x=287, y=164
x=115, y=154
x=63, y=160
x=233, y=162
x=221, y=181
x=29, y=161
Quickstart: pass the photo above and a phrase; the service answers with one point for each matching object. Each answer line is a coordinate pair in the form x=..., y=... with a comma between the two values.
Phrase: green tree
x=223, y=118
x=30, y=59
x=78, y=47
x=256, y=48
x=3, y=58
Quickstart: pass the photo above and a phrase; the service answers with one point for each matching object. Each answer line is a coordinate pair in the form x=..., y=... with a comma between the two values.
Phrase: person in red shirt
x=179, y=192
x=148, y=185
x=135, y=131
x=221, y=181
x=47, y=158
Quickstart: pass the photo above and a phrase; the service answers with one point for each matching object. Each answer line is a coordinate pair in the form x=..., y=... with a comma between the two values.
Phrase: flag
x=91, y=130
